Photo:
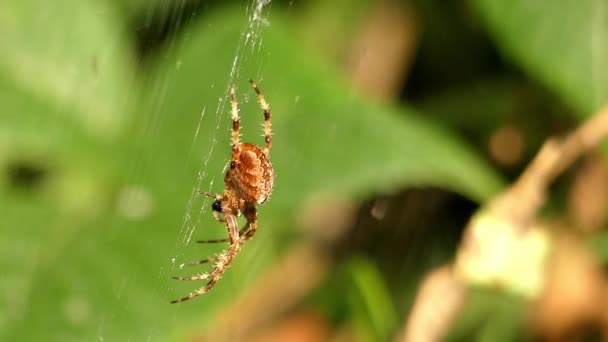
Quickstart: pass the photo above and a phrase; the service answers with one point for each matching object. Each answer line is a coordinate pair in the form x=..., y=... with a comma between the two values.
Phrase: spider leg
x=267, y=123
x=246, y=233
x=224, y=260
x=201, y=276
x=251, y=214
x=243, y=232
x=204, y=261
x=217, y=217
x=210, y=195
x=236, y=123
x=213, y=241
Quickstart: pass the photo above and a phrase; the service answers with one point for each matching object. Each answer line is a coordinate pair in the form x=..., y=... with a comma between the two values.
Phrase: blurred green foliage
x=89, y=135
x=562, y=44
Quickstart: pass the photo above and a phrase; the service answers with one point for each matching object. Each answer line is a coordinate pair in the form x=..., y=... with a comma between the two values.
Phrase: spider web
x=250, y=42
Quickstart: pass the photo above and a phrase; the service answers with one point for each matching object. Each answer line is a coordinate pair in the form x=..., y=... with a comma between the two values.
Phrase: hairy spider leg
x=267, y=123
x=200, y=262
x=224, y=260
x=243, y=232
x=251, y=214
x=210, y=195
x=213, y=240
x=236, y=123
x=201, y=276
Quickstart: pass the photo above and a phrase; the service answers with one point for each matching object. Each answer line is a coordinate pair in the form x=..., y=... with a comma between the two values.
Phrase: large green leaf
x=99, y=268
x=562, y=43
x=71, y=54
x=64, y=75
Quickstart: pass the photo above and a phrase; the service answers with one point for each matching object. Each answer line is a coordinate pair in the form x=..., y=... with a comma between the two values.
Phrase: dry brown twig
x=502, y=246
x=520, y=202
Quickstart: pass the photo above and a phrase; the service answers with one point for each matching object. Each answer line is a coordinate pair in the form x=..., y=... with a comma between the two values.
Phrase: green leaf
x=490, y=315
x=598, y=244
x=371, y=300
x=564, y=44
x=70, y=54
x=65, y=76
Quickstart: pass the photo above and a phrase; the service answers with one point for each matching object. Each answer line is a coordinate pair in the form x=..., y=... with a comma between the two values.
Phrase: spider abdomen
x=253, y=175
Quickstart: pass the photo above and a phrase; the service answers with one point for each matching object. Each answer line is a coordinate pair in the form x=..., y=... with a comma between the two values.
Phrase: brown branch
x=519, y=204
x=512, y=211
x=439, y=300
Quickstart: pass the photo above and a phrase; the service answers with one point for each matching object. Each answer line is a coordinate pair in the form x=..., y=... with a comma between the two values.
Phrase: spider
x=249, y=182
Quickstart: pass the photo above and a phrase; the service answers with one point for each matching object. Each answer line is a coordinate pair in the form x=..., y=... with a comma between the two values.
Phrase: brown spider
x=249, y=182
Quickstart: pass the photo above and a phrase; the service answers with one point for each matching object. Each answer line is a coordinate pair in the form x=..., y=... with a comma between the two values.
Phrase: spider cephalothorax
x=249, y=182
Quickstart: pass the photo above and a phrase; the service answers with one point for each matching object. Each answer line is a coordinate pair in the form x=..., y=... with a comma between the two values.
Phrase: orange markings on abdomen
x=254, y=177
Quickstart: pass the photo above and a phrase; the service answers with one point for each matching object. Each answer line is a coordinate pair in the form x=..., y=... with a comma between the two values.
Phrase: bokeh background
x=393, y=122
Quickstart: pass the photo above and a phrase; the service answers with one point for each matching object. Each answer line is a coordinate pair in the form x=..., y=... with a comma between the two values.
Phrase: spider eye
x=217, y=206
